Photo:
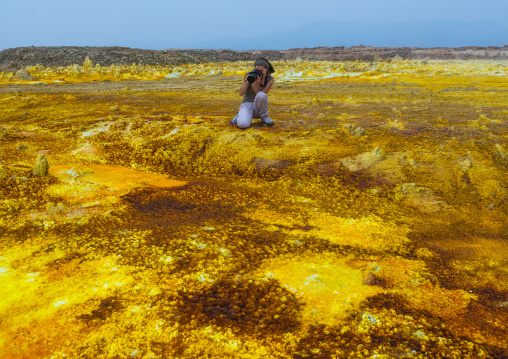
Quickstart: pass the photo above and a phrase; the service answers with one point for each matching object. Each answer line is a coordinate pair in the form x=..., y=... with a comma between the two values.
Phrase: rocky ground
x=20, y=57
x=368, y=222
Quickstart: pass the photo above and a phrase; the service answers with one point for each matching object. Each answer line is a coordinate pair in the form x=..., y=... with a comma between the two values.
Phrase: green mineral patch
x=371, y=221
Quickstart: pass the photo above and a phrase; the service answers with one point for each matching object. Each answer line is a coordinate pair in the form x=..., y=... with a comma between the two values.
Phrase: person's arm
x=244, y=87
x=256, y=85
x=268, y=86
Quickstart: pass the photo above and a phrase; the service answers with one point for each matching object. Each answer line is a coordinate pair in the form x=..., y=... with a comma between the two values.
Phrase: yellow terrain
x=371, y=221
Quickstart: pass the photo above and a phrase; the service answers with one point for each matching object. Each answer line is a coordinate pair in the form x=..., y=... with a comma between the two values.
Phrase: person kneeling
x=254, y=90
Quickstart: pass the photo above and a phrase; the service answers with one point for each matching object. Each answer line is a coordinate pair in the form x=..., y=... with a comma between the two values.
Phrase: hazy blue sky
x=158, y=24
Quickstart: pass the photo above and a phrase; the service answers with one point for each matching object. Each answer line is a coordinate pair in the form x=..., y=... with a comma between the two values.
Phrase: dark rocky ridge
x=20, y=57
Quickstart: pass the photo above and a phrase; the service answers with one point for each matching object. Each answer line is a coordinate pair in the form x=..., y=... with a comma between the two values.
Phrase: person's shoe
x=267, y=121
x=234, y=121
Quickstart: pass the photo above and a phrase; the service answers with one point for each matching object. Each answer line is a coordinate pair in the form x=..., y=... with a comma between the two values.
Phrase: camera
x=253, y=75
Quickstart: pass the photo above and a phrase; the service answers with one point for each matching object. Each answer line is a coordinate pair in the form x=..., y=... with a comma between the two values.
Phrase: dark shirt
x=250, y=95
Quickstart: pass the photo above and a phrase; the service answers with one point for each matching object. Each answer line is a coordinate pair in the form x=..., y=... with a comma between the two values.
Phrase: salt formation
x=364, y=160
x=88, y=64
x=41, y=166
x=287, y=71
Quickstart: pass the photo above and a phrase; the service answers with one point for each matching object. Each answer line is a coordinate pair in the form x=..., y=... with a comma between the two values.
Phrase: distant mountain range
x=328, y=33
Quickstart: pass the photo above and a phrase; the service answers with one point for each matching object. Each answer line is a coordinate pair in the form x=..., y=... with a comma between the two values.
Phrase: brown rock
x=23, y=74
x=328, y=169
x=501, y=155
x=422, y=198
x=263, y=164
x=3, y=133
x=356, y=131
x=44, y=151
x=371, y=279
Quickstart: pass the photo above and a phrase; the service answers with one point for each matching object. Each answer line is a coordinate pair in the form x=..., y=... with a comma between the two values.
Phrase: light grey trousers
x=250, y=110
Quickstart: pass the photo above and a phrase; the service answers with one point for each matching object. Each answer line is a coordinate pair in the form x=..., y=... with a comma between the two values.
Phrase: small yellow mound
x=97, y=182
x=327, y=285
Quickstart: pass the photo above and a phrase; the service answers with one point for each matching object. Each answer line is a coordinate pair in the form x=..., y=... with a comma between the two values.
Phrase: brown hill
x=20, y=57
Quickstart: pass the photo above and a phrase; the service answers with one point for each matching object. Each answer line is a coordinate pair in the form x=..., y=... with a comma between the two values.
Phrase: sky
x=158, y=24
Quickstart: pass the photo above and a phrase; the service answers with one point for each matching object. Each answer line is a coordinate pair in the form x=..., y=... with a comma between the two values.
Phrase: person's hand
x=257, y=82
